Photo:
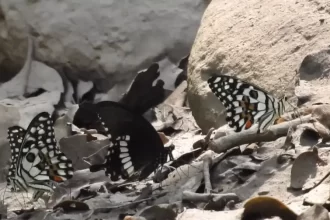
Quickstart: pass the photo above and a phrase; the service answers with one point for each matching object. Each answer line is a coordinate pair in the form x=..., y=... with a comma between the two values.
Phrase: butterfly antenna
x=295, y=111
x=86, y=161
x=180, y=168
x=182, y=171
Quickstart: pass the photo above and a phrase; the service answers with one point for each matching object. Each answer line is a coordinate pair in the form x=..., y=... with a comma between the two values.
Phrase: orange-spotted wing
x=15, y=137
x=37, y=161
x=246, y=104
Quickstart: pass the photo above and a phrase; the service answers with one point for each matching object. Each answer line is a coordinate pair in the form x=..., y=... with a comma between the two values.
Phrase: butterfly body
x=135, y=149
x=245, y=103
x=36, y=161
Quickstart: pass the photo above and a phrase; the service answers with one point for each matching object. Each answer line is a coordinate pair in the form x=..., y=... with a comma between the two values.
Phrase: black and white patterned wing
x=39, y=159
x=118, y=162
x=15, y=137
x=122, y=161
x=246, y=104
x=135, y=149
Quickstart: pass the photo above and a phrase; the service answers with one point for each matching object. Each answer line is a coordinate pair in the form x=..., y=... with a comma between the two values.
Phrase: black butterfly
x=36, y=161
x=136, y=148
x=246, y=104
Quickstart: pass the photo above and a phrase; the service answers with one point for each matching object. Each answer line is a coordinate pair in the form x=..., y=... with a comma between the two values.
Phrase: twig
x=288, y=141
x=218, y=200
x=129, y=217
x=250, y=136
x=145, y=193
x=202, y=143
x=206, y=169
x=322, y=131
x=178, y=96
x=109, y=209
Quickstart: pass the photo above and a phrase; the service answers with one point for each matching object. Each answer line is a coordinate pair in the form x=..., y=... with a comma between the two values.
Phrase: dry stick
x=208, y=135
x=207, y=197
x=322, y=131
x=202, y=143
x=217, y=159
x=220, y=200
x=145, y=193
x=117, y=206
x=288, y=141
x=250, y=136
x=178, y=96
x=206, y=169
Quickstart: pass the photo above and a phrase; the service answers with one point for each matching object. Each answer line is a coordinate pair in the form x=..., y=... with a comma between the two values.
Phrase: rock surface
x=97, y=40
x=42, y=76
x=198, y=214
x=17, y=85
x=314, y=73
x=248, y=174
x=263, y=42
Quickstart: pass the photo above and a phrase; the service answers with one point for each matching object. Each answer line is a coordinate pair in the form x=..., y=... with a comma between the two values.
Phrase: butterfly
x=135, y=150
x=246, y=104
x=36, y=161
x=15, y=137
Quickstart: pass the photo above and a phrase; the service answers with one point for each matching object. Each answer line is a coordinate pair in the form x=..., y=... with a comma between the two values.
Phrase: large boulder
x=97, y=40
x=263, y=42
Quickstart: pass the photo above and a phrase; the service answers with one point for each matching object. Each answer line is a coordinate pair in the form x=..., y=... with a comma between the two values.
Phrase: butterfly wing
x=87, y=117
x=123, y=161
x=40, y=159
x=246, y=104
x=161, y=159
x=118, y=163
x=15, y=137
x=136, y=145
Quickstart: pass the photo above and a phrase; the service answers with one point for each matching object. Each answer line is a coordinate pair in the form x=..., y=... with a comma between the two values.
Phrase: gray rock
x=316, y=212
x=17, y=85
x=261, y=42
x=97, y=40
x=313, y=74
x=45, y=77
